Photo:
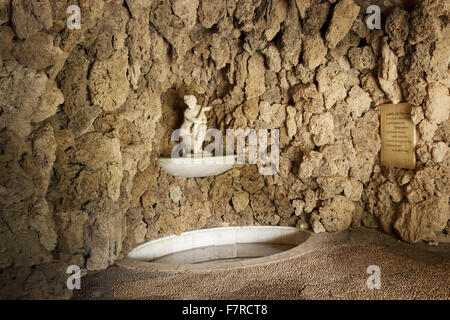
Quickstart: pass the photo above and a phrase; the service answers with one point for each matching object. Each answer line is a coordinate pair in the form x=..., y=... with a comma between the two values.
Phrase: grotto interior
x=91, y=92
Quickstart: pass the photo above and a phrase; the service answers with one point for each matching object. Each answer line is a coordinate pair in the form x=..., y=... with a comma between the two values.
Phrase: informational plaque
x=398, y=136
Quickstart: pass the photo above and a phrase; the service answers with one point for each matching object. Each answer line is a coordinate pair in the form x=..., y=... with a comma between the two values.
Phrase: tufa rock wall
x=84, y=114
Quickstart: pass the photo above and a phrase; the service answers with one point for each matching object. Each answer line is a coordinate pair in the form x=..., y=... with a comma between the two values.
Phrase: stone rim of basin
x=142, y=256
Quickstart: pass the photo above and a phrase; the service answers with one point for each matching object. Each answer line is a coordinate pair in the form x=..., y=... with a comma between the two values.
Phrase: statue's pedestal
x=197, y=167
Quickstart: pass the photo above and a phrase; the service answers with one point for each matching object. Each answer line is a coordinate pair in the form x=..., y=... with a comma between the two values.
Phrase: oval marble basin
x=197, y=167
x=218, y=246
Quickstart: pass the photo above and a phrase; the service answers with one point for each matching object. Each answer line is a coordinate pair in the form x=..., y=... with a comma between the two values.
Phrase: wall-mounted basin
x=197, y=167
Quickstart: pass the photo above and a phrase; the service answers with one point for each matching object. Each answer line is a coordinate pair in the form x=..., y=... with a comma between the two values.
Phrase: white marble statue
x=194, y=124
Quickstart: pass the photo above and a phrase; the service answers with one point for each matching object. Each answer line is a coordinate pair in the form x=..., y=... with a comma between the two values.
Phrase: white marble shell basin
x=197, y=167
x=272, y=239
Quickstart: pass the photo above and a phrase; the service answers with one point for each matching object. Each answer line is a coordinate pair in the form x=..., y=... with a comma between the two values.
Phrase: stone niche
x=85, y=113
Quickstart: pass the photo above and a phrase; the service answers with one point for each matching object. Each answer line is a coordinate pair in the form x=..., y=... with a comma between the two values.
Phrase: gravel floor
x=334, y=267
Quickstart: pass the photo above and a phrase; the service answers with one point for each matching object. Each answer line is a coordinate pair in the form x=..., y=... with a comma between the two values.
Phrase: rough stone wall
x=84, y=114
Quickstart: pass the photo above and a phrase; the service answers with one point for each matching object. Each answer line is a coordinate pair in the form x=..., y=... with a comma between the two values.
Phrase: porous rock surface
x=84, y=115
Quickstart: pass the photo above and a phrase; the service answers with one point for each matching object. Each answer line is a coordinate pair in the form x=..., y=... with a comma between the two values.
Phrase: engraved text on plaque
x=398, y=136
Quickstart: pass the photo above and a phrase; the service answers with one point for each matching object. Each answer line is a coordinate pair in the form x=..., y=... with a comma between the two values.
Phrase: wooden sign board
x=398, y=136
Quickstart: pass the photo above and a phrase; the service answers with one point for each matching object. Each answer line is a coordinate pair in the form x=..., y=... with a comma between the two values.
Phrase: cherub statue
x=194, y=123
